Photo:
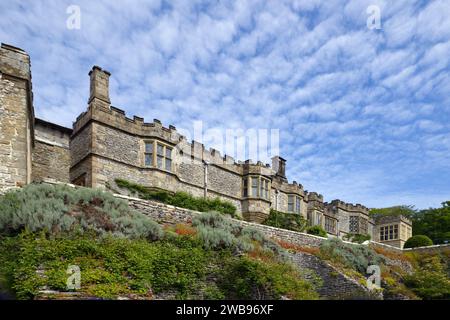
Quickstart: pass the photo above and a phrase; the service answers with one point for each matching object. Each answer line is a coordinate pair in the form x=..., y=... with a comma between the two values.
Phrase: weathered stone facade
x=16, y=117
x=105, y=144
x=51, y=153
x=393, y=230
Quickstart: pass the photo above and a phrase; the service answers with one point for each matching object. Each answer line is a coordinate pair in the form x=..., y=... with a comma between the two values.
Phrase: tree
x=435, y=223
x=402, y=210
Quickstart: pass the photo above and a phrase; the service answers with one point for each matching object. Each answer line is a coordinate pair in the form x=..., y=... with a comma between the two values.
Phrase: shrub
x=356, y=237
x=289, y=221
x=62, y=209
x=430, y=280
x=317, y=231
x=110, y=266
x=219, y=232
x=245, y=278
x=179, y=199
x=354, y=256
x=183, y=229
x=418, y=241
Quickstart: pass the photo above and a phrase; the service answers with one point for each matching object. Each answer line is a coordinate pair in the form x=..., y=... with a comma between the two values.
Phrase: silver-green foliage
x=60, y=208
x=355, y=256
x=220, y=232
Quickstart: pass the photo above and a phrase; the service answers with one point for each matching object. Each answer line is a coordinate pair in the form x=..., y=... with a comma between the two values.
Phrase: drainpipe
x=205, y=182
x=276, y=199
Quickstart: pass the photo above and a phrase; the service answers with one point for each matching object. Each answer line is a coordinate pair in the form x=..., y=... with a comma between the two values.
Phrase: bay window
x=256, y=187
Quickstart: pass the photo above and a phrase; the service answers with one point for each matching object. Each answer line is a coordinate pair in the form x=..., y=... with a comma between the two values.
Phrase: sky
x=363, y=113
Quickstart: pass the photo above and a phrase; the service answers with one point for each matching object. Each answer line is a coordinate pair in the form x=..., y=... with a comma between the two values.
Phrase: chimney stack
x=99, y=86
x=279, y=165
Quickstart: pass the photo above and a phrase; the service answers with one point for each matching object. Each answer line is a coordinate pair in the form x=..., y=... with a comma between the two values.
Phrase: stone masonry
x=16, y=117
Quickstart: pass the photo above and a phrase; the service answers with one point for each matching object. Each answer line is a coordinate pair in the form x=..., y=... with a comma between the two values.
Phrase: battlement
x=392, y=219
x=348, y=206
x=314, y=196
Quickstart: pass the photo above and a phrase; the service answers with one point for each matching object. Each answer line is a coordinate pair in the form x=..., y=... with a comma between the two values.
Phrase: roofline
x=53, y=125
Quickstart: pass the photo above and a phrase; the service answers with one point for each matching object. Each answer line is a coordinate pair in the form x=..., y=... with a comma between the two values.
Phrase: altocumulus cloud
x=363, y=114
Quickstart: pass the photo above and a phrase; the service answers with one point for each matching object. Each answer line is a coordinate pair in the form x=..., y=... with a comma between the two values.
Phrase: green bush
x=112, y=267
x=219, y=232
x=354, y=256
x=109, y=266
x=179, y=199
x=430, y=280
x=356, y=237
x=245, y=278
x=289, y=221
x=418, y=241
x=317, y=231
x=62, y=209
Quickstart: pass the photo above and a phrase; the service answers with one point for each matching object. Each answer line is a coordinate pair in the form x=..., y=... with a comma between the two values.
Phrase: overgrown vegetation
x=217, y=232
x=59, y=209
x=418, y=241
x=353, y=256
x=317, y=231
x=431, y=278
x=110, y=266
x=199, y=261
x=121, y=253
x=179, y=199
x=289, y=221
x=249, y=279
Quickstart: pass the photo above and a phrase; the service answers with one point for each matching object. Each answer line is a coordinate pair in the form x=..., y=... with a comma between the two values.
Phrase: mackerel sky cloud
x=363, y=114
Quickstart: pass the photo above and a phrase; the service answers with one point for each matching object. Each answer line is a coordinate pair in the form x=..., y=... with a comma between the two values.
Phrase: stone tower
x=16, y=118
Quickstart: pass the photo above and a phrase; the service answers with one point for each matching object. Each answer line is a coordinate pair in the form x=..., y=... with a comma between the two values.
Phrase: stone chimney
x=279, y=165
x=99, y=87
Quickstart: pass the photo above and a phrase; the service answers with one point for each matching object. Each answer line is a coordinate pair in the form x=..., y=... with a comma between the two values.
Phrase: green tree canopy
x=435, y=223
x=402, y=210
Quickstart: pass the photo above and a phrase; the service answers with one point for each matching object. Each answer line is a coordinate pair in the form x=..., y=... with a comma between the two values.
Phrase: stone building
x=104, y=144
x=392, y=230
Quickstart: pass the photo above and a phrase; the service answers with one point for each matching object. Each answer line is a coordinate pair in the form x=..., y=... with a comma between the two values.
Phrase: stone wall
x=430, y=249
x=50, y=162
x=51, y=153
x=80, y=145
x=336, y=285
x=116, y=145
x=16, y=114
x=167, y=214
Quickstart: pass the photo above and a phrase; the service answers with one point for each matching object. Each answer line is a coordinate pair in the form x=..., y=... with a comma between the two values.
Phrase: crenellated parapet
x=315, y=201
x=349, y=207
x=288, y=188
